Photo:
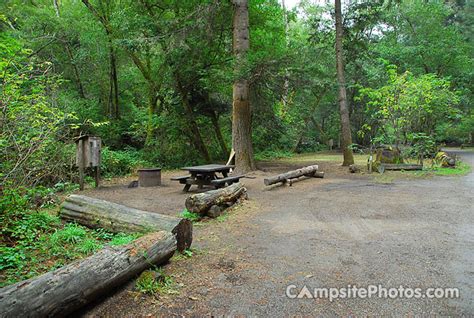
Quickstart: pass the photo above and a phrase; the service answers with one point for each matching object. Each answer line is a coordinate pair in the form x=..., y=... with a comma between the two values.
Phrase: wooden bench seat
x=219, y=183
x=181, y=179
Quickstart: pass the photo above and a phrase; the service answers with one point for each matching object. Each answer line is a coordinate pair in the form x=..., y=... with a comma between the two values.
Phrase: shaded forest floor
x=344, y=229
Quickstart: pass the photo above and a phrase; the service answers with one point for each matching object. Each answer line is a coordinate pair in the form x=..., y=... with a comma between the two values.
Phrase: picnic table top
x=209, y=168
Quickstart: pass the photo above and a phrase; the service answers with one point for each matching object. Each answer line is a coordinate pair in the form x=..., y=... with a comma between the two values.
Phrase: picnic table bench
x=207, y=175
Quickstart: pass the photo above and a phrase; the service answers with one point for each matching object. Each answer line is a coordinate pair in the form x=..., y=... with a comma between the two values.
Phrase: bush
x=121, y=162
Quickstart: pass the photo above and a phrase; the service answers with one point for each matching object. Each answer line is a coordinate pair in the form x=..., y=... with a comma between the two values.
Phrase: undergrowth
x=191, y=216
x=154, y=281
x=35, y=241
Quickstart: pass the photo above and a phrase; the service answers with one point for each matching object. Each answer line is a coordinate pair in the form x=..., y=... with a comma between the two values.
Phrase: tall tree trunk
x=114, y=99
x=114, y=94
x=343, y=109
x=80, y=87
x=286, y=82
x=241, y=111
x=152, y=103
x=217, y=129
x=193, y=126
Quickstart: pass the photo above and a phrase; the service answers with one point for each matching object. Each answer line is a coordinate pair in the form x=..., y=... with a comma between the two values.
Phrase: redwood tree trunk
x=343, y=109
x=241, y=113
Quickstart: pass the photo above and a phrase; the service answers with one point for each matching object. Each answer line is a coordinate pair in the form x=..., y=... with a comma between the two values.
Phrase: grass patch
x=460, y=169
x=359, y=159
x=187, y=253
x=155, y=282
x=38, y=242
x=191, y=216
x=273, y=154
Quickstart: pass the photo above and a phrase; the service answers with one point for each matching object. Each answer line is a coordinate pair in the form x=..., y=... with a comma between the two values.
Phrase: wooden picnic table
x=207, y=175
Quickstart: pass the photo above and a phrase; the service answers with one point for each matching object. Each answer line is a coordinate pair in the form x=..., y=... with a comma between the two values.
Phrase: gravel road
x=339, y=231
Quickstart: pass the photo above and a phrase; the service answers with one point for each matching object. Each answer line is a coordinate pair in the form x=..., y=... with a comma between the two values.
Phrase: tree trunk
x=202, y=202
x=96, y=213
x=150, y=129
x=193, y=126
x=114, y=95
x=343, y=109
x=241, y=111
x=286, y=82
x=284, y=177
x=58, y=293
x=80, y=87
x=217, y=130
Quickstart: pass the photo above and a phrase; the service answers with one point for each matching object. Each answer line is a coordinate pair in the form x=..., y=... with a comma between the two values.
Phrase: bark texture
x=241, y=111
x=201, y=203
x=284, y=177
x=346, y=137
x=95, y=213
x=60, y=292
x=401, y=166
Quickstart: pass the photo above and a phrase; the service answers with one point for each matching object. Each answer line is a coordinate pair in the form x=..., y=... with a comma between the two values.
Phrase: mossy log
x=60, y=292
x=401, y=166
x=96, y=213
x=200, y=203
x=308, y=171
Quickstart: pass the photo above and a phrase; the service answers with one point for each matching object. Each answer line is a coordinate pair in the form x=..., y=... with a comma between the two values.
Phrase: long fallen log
x=401, y=166
x=62, y=291
x=96, y=213
x=308, y=171
x=200, y=203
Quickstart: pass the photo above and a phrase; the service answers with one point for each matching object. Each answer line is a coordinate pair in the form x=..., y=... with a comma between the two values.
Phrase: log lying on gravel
x=60, y=292
x=96, y=213
x=401, y=166
x=284, y=177
x=201, y=203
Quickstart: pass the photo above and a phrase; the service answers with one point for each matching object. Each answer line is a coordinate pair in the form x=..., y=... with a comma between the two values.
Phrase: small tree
x=408, y=104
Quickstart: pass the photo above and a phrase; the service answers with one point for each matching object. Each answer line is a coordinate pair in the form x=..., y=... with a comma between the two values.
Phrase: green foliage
x=30, y=123
x=123, y=239
x=408, y=104
x=121, y=162
x=34, y=242
x=193, y=217
x=273, y=154
x=153, y=282
x=423, y=145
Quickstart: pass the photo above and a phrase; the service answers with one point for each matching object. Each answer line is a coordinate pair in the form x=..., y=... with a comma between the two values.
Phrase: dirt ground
x=332, y=232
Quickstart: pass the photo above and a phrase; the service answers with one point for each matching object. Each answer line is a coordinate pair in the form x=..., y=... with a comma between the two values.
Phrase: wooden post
x=80, y=163
x=97, y=176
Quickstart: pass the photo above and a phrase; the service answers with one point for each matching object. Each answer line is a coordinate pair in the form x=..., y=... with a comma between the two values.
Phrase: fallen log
x=318, y=174
x=64, y=290
x=96, y=213
x=401, y=166
x=201, y=203
x=284, y=177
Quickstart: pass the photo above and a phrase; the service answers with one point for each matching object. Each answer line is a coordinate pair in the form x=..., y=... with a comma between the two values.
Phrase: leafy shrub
x=121, y=162
x=31, y=124
x=191, y=216
x=273, y=154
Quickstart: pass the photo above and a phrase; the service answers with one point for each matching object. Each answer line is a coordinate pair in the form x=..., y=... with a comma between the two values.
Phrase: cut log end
x=184, y=234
